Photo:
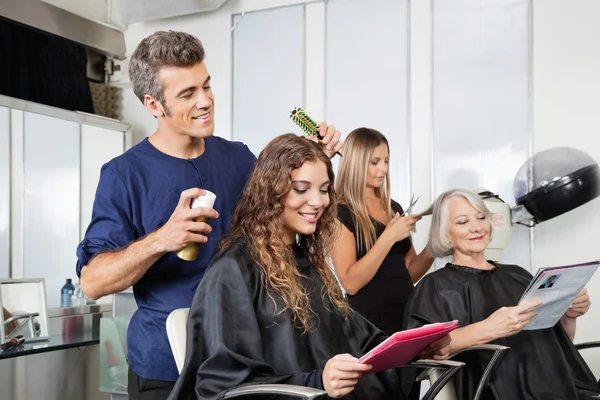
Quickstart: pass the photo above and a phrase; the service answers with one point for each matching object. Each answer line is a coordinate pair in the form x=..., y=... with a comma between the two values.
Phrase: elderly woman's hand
x=508, y=321
x=580, y=306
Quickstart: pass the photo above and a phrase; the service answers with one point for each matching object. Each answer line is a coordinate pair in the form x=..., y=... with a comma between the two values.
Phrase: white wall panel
x=367, y=76
x=315, y=60
x=566, y=90
x=51, y=204
x=98, y=146
x=268, y=74
x=4, y=191
x=481, y=101
x=16, y=193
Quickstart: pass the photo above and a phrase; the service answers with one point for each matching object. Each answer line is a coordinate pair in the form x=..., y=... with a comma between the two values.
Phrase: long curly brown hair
x=258, y=223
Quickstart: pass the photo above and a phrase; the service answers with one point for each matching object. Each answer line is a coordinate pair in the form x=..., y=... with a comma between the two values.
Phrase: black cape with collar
x=235, y=339
x=541, y=365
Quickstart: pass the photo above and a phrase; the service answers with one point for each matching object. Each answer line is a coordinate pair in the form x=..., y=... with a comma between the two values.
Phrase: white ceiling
x=130, y=11
x=121, y=13
x=95, y=10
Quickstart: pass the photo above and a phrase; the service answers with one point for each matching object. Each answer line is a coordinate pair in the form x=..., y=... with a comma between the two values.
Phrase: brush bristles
x=307, y=124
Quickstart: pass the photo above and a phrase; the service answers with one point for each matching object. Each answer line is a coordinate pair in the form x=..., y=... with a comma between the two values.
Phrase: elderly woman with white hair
x=483, y=296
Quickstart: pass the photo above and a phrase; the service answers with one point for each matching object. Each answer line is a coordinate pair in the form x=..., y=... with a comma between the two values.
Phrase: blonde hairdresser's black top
x=384, y=298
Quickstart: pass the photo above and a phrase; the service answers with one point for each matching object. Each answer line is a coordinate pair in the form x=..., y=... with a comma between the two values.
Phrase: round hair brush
x=307, y=124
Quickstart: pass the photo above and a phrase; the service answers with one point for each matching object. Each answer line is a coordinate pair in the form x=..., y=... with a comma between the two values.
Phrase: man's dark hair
x=159, y=50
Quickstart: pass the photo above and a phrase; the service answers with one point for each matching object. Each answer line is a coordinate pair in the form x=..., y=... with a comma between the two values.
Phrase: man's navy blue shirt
x=137, y=193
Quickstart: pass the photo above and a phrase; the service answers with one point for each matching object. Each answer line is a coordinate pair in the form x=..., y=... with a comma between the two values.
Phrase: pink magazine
x=402, y=347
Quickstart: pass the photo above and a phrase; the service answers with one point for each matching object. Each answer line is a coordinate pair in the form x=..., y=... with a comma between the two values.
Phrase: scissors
x=413, y=201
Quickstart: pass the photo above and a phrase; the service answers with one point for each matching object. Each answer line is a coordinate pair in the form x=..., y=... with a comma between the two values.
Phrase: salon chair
x=587, y=345
x=177, y=335
x=590, y=345
x=448, y=392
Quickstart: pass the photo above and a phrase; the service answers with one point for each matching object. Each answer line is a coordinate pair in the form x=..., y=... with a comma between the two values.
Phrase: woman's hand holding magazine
x=580, y=306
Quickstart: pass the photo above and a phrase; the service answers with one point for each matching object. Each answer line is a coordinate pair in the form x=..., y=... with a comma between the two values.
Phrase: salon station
x=493, y=103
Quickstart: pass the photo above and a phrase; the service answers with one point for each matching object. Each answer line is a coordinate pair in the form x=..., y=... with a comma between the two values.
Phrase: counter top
x=58, y=312
x=53, y=343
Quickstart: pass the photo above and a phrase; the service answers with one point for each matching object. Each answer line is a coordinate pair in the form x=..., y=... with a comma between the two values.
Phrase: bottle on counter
x=75, y=296
x=65, y=294
x=78, y=298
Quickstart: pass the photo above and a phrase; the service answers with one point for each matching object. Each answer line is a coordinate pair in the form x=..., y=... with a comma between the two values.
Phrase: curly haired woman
x=269, y=309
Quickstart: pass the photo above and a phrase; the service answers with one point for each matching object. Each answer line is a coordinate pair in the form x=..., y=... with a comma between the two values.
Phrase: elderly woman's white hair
x=439, y=245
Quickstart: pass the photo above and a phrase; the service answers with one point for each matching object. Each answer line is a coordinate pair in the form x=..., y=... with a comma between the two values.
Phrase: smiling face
x=378, y=166
x=305, y=202
x=468, y=229
x=187, y=106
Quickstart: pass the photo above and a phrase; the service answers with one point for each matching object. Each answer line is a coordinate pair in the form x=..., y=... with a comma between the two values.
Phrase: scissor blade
x=413, y=201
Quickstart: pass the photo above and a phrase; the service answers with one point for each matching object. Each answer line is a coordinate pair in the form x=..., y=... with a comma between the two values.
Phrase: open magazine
x=402, y=347
x=557, y=288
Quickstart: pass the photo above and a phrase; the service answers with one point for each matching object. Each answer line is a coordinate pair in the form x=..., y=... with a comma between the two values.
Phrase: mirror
x=23, y=304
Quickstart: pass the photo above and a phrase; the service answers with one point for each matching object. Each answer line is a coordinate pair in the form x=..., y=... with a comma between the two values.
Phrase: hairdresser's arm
x=417, y=265
x=113, y=271
x=355, y=274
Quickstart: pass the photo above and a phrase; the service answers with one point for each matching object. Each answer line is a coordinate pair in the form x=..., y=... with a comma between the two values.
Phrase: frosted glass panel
x=481, y=104
x=98, y=146
x=50, y=201
x=268, y=74
x=4, y=191
x=366, y=76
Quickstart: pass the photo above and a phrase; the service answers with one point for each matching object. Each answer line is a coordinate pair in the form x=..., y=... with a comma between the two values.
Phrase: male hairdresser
x=142, y=217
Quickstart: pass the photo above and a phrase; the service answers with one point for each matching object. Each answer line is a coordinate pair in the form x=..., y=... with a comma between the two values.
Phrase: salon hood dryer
x=553, y=182
x=549, y=184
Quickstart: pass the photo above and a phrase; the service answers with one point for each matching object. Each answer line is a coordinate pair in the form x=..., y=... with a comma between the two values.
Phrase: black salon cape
x=541, y=365
x=234, y=338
